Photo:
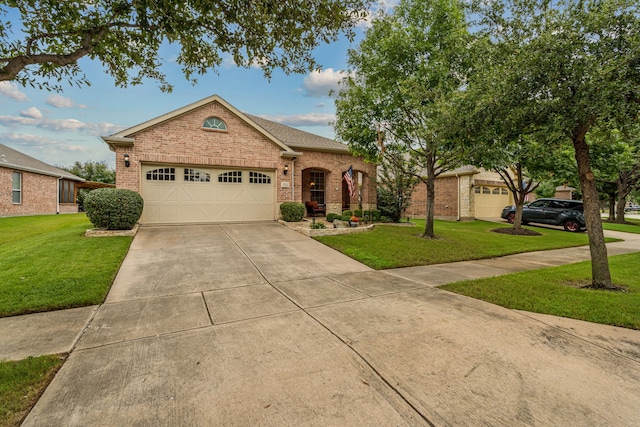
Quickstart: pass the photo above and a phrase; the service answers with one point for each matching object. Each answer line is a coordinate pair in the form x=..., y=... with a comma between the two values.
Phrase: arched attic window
x=214, y=123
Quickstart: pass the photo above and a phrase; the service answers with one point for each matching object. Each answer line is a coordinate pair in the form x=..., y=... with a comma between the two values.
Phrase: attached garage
x=489, y=201
x=182, y=194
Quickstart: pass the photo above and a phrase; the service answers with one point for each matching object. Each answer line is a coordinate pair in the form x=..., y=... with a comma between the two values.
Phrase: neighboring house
x=31, y=187
x=209, y=162
x=564, y=192
x=465, y=193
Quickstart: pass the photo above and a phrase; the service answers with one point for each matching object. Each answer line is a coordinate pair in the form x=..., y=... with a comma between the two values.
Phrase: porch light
x=126, y=160
x=286, y=169
x=312, y=184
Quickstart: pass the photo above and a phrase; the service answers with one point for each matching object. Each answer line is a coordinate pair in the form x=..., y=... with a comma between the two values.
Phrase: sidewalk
x=59, y=331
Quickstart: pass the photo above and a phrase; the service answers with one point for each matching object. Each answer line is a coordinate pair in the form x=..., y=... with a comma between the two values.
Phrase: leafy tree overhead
x=562, y=67
x=403, y=73
x=42, y=40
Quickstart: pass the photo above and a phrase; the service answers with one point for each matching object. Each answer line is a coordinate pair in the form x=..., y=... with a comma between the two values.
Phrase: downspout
x=293, y=179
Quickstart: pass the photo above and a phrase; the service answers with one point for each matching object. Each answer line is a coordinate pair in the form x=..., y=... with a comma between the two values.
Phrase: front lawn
x=556, y=291
x=389, y=246
x=21, y=383
x=46, y=263
x=632, y=227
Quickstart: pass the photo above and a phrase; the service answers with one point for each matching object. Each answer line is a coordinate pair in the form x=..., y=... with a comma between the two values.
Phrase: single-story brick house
x=29, y=186
x=210, y=162
x=464, y=193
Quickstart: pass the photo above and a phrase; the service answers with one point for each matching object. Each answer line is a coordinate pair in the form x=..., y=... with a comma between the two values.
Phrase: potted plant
x=354, y=220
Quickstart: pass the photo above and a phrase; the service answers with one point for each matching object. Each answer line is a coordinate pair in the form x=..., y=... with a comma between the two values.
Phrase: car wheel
x=510, y=217
x=571, y=225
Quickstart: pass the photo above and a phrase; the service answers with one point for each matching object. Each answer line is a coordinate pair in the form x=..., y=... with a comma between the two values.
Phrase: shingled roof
x=10, y=158
x=298, y=139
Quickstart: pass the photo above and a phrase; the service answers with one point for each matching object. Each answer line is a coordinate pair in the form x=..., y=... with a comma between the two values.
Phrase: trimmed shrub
x=376, y=215
x=332, y=216
x=358, y=213
x=317, y=226
x=347, y=213
x=292, y=211
x=346, y=217
x=113, y=208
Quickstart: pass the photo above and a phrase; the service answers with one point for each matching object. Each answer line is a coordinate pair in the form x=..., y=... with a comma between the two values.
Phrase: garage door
x=178, y=194
x=489, y=201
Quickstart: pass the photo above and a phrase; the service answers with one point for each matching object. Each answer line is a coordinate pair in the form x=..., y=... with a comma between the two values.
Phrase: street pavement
x=255, y=324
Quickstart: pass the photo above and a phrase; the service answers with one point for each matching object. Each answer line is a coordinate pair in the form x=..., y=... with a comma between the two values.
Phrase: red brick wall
x=182, y=140
x=446, y=199
x=39, y=194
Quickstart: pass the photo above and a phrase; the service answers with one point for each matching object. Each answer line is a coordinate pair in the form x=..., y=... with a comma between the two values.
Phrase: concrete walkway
x=254, y=324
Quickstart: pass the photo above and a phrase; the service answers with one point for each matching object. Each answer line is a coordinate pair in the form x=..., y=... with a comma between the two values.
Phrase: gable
x=193, y=117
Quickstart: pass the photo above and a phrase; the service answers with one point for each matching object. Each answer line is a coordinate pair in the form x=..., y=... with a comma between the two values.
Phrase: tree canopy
x=561, y=68
x=93, y=171
x=42, y=40
x=402, y=75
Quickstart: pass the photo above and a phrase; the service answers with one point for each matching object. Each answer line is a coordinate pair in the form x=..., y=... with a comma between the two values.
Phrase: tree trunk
x=612, y=207
x=431, y=197
x=601, y=276
x=621, y=204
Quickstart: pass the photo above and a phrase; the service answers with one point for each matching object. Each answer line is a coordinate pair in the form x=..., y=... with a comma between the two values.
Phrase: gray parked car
x=567, y=213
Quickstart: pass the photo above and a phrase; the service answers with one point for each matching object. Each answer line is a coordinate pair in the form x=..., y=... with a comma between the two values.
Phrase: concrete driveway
x=255, y=324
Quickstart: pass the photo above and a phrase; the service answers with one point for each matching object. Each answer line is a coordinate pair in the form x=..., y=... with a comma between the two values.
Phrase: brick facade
x=446, y=199
x=39, y=194
x=181, y=140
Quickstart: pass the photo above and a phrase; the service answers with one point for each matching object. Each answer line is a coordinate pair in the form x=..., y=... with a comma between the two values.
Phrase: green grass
x=394, y=246
x=46, y=263
x=633, y=227
x=21, y=383
x=553, y=291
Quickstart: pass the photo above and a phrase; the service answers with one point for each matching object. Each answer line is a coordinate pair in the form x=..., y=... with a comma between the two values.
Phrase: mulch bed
x=516, y=231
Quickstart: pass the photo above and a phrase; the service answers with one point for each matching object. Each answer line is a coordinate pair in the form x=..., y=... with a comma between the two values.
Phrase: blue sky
x=61, y=128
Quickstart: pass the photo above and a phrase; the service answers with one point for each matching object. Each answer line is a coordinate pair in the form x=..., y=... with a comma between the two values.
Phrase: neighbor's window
x=496, y=191
x=214, y=123
x=16, y=188
x=66, y=191
x=486, y=190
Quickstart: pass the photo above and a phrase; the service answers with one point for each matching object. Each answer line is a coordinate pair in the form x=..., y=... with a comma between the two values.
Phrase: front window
x=16, y=188
x=214, y=123
x=316, y=186
x=66, y=192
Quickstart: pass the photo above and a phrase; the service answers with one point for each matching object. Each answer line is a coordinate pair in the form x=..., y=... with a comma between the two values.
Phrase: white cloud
x=309, y=119
x=59, y=101
x=96, y=129
x=26, y=140
x=11, y=90
x=32, y=112
x=320, y=83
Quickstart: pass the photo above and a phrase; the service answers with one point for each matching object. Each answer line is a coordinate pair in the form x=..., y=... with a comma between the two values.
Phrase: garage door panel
x=191, y=197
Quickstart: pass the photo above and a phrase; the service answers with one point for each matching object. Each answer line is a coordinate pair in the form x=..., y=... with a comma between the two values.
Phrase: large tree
x=93, y=171
x=402, y=75
x=41, y=41
x=563, y=67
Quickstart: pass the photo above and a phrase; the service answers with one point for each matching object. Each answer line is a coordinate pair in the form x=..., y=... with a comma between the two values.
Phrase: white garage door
x=178, y=194
x=489, y=201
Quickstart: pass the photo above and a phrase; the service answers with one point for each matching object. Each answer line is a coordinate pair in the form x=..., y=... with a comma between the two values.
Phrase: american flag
x=348, y=176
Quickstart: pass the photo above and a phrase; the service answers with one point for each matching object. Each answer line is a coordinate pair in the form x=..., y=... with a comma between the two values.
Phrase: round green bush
x=292, y=212
x=332, y=216
x=113, y=208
